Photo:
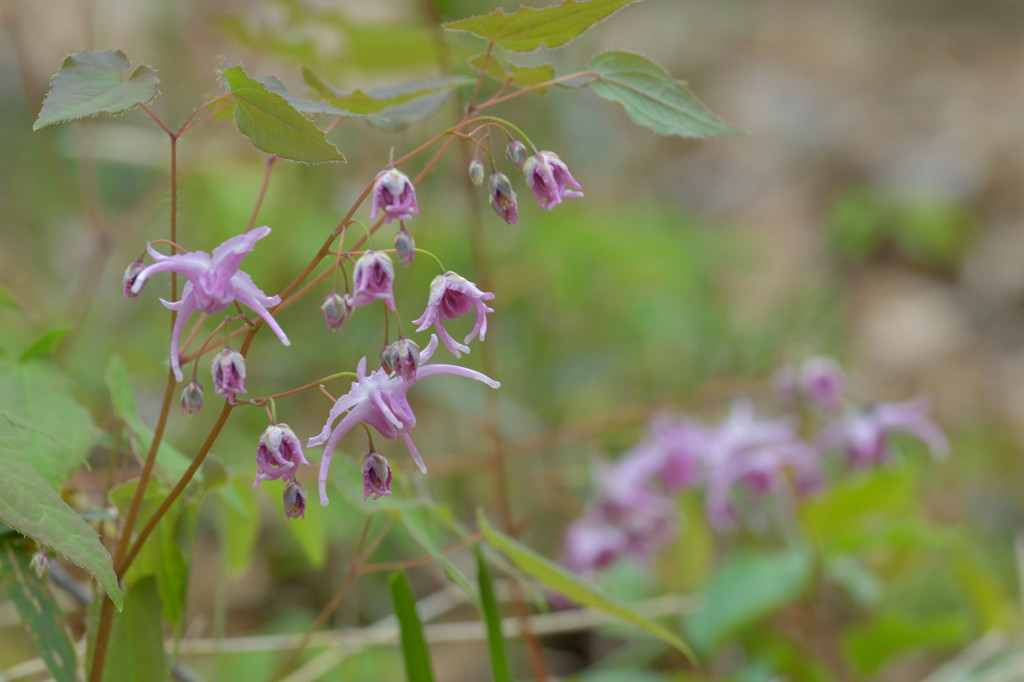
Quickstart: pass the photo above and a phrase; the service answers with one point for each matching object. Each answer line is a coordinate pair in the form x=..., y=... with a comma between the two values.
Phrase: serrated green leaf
x=36, y=398
x=492, y=619
x=91, y=83
x=306, y=106
x=30, y=506
x=44, y=345
x=162, y=556
x=414, y=646
x=528, y=28
x=747, y=587
x=560, y=580
x=654, y=99
x=273, y=125
x=393, y=106
x=419, y=523
x=39, y=612
x=136, y=648
x=523, y=76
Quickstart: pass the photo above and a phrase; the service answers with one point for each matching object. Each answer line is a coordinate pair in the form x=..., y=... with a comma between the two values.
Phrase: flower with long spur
x=214, y=283
x=379, y=400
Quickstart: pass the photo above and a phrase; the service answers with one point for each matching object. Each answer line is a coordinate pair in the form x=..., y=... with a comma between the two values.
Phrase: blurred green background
x=873, y=214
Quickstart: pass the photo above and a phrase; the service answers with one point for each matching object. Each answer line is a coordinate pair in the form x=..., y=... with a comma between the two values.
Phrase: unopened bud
x=40, y=562
x=131, y=274
x=192, y=398
x=336, y=309
x=228, y=370
x=402, y=357
x=294, y=500
x=516, y=153
x=503, y=198
x=476, y=172
x=405, y=247
x=376, y=476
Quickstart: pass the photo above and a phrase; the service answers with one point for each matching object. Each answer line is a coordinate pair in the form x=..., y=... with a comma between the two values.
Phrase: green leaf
x=749, y=586
x=419, y=522
x=305, y=106
x=136, y=648
x=44, y=345
x=652, y=98
x=30, y=506
x=165, y=553
x=572, y=586
x=392, y=107
x=171, y=461
x=238, y=528
x=492, y=619
x=273, y=125
x=523, y=76
x=528, y=28
x=39, y=612
x=869, y=646
x=91, y=83
x=414, y=646
x=52, y=427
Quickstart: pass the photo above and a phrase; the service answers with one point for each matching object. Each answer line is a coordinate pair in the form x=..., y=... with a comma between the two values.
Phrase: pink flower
x=821, y=382
x=394, y=194
x=294, y=500
x=452, y=296
x=376, y=476
x=864, y=436
x=380, y=401
x=503, y=198
x=279, y=454
x=547, y=177
x=228, y=370
x=373, y=279
x=214, y=283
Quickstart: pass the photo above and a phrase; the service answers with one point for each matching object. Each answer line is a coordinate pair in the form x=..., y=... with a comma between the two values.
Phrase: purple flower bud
x=192, y=398
x=39, y=563
x=502, y=198
x=337, y=308
x=394, y=194
x=547, y=177
x=515, y=152
x=376, y=476
x=228, y=372
x=278, y=455
x=294, y=500
x=373, y=278
x=131, y=274
x=476, y=172
x=405, y=246
x=821, y=381
x=401, y=357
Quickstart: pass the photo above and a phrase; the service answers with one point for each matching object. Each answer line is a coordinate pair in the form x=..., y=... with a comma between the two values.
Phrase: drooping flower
x=502, y=198
x=405, y=247
x=228, y=371
x=402, y=357
x=279, y=454
x=131, y=274
x=821, y=382
x=515, y=152
x=476, y=172
x=547, y=177
x=394, y=194
x=864, y=436
x=376, y=476
x=452, y=296
x=294, y=500
x=192, y=398
x=379, y=400
x=214, y=283
x=373, y=279
x=337, y=308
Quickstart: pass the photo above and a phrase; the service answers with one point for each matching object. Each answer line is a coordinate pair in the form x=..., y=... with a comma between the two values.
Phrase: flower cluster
x=735, y=463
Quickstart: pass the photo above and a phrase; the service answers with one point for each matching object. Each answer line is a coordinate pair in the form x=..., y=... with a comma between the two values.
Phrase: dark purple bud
x=516, y=153
x=294, y=500
x=228, y=372
x=476, y=172
x=405, y=247
x=402, y=357
x=376, y=476
x=502, y=198
x=337, y=308
x=192, y=398
x=131, y=274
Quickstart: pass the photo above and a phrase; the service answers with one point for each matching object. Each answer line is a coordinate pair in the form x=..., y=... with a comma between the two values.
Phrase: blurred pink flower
x=228, y=371
x=394, y=194
x=452, y=296
x=864, y=436
x=821, y=382
x=547, y=177
x=373, y=279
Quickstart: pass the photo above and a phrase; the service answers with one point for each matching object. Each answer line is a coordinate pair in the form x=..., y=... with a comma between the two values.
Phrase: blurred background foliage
x=873, y=214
